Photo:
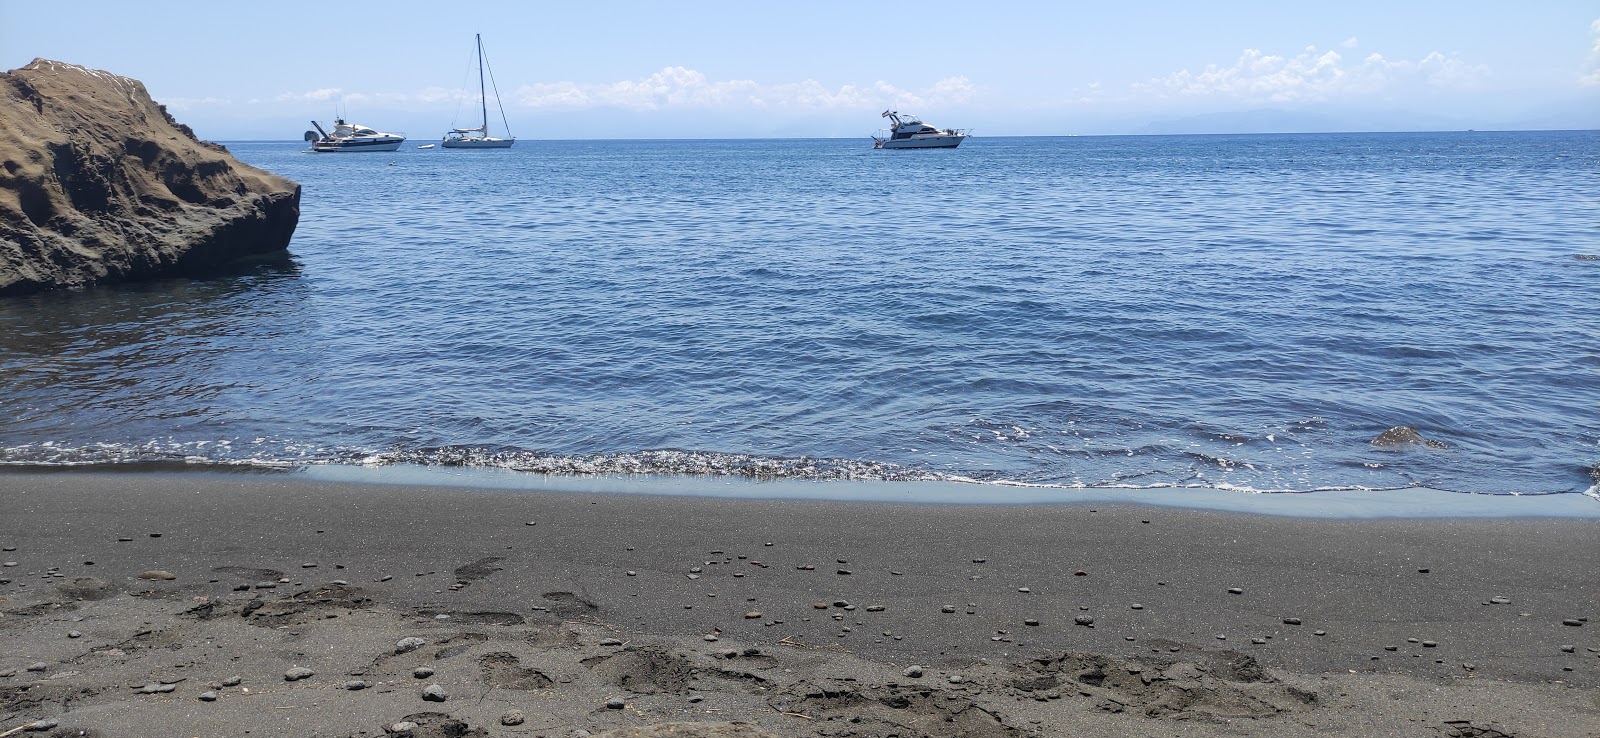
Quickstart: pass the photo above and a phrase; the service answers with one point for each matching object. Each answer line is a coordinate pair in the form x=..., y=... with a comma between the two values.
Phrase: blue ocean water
x=1219, y=312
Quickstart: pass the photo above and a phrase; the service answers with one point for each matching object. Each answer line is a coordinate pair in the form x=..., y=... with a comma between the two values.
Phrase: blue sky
x=743, y=69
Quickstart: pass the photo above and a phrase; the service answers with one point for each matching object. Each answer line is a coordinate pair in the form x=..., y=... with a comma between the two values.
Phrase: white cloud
x=683, y=88
x=1350, y=43
x=1591, y=78
x=1315, y=75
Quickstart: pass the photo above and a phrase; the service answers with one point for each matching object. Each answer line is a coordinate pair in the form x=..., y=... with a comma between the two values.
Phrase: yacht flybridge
x=909, y=132
x=352, y=137
x=479, y=138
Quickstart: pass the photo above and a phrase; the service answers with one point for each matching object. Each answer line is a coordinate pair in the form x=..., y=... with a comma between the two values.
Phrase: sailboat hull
x=477, y=143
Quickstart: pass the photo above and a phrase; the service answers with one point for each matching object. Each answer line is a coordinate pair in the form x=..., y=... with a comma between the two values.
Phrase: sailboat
x=479, y=138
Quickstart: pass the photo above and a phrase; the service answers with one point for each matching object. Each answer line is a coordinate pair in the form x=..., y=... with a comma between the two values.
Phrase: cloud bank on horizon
x=1255, y=77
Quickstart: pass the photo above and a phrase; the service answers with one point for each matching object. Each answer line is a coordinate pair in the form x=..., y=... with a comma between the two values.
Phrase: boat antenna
x=496, y=89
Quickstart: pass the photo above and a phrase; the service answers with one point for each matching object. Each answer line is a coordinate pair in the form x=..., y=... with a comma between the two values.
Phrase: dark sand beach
x=181, y=604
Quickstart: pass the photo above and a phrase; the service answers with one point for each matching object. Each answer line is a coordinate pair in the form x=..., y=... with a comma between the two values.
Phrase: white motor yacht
x=353, y=137
x=909, y=132
x=479, y=138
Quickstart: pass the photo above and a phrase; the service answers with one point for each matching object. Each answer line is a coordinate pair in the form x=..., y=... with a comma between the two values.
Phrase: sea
x=1219, y=314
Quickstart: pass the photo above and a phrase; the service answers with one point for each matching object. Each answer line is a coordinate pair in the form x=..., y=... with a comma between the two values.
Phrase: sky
x=625, y=69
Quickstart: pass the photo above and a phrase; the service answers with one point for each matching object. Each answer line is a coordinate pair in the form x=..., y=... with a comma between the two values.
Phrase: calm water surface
x=1220, y=312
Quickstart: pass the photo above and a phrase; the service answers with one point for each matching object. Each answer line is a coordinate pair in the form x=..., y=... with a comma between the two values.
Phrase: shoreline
x=555, y=603
x=1390, y=503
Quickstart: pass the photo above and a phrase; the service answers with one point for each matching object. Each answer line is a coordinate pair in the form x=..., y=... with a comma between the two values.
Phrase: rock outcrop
x=99, y=184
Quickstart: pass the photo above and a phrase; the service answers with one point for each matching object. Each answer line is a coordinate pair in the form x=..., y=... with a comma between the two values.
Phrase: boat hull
x=922, y=142
x=477, y=143
x=345, y=146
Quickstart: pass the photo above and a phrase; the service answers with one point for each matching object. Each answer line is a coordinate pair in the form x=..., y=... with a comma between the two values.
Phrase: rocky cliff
x=99, y=184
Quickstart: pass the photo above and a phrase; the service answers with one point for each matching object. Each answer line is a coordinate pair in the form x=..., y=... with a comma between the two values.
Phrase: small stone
x=409, y=644
x=709, y=638
x=266, y=585
x=1136, y=606
x=979, y=561
x=699, y=698
x=1568, y=649
x=874, y=608
x=422, y=672
x=513, y=717
x=74, y=634
x=913, y=671
x=1423, y=571
x=1030, y=621
x=38, y=666
x=155, y=535
x=1499, y=600
x=232, y=681
x=752, y=615
x=611, y=642
x=1391, y=648
x=632, y=573
x=1024, y=590
x=157, y=574
x=615, y=703
x=844, y=572
x=1235, y=591
x=1430, y=644
x=434, y=693
x=948, y=608
x=1080, y=573
x=297, y=673
x=156, y=688
x=355, y=684
x=1291, y=621
x=957, y=679
x=404, y=726
x=207, y=696
x=39, y=726
x=308, y=565
x=1574, y=622
x=1256, y=641
x=1319, y=633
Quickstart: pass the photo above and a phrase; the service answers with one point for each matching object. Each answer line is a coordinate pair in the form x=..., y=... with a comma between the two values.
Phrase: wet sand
x=561, y=614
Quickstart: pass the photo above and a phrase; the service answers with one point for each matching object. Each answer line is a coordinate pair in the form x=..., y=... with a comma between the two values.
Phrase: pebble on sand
x=409, y=644
x=434, y=693
x=355, y=684
x=616, y=703
x=422, y=672
x=1574, y=622
x=1084, y=620
x=207, y=696
x=157, y=574
x=232, y=681
x=297, y=673
x=513, y=717
x=1291, y=621
x=913, y=671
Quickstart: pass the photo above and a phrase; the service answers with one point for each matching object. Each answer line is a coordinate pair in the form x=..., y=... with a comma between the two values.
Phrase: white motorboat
x=353, y=137
x=909, y=132
x=479, y=138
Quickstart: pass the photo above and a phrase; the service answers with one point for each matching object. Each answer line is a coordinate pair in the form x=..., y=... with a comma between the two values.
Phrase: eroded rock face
x=99, y=184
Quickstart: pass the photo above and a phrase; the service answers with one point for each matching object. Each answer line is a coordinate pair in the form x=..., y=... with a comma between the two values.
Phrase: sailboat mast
x=483, y=99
